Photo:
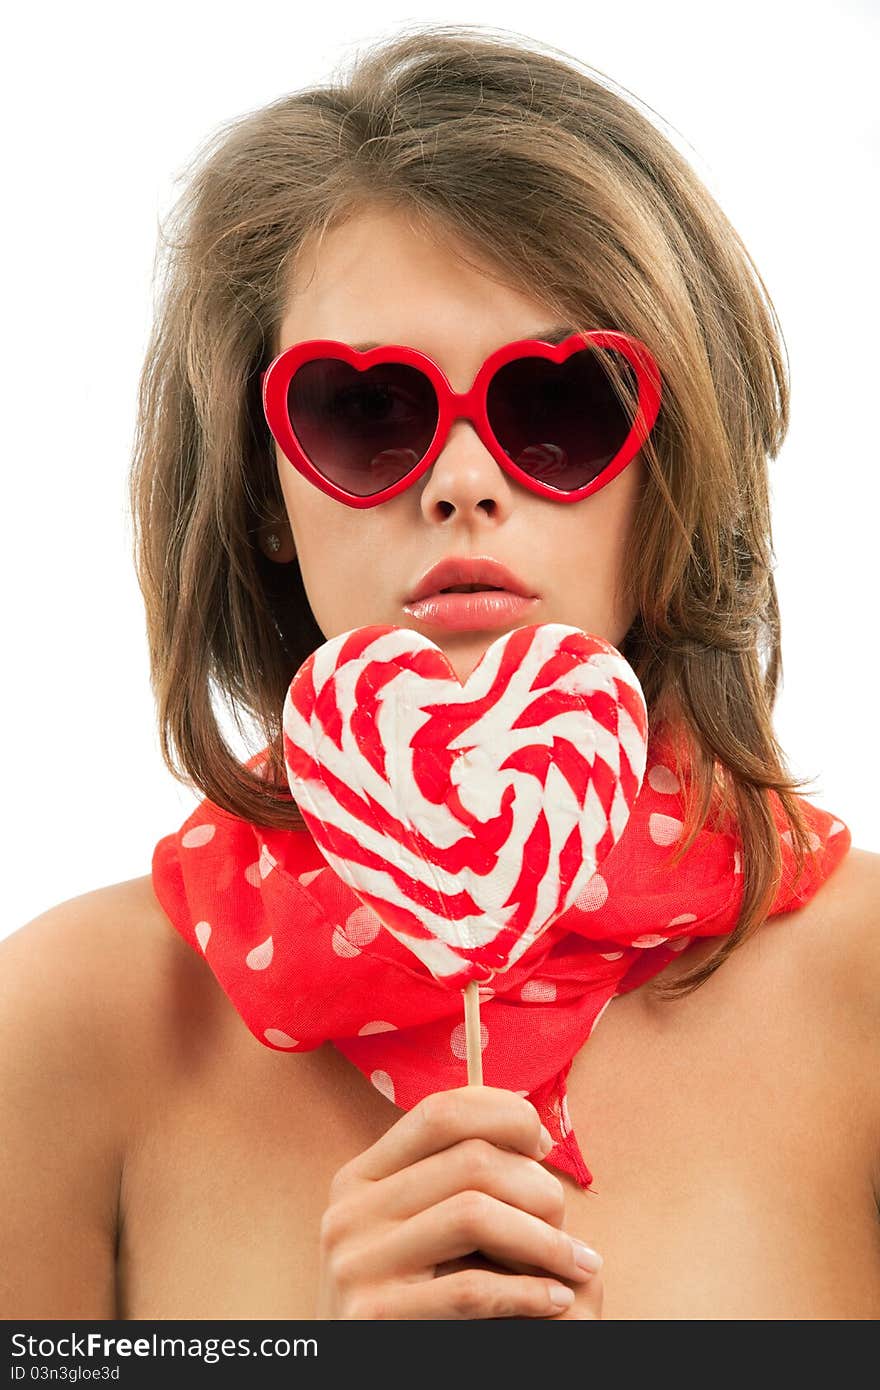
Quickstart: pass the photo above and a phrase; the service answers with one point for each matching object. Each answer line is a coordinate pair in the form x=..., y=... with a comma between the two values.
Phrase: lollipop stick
x=472, y=1033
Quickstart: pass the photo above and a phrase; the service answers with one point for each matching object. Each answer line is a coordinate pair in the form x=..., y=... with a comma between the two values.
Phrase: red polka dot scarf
x=305, y=962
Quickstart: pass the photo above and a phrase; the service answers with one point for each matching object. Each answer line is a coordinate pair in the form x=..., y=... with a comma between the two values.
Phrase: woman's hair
x=519, y=149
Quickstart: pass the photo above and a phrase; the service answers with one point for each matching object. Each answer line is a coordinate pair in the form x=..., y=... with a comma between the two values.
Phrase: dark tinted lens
x=561, y=423
x=363, y=430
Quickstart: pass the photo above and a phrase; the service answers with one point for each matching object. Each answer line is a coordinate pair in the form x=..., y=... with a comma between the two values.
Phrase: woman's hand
x=457, y=1174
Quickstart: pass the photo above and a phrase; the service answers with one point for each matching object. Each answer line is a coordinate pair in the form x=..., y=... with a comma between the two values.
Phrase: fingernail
x=546, y=1140
x=585, y=1258
x=560, y=1296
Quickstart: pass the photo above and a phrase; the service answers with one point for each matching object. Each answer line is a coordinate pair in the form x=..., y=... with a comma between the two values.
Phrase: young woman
x=710, y=1151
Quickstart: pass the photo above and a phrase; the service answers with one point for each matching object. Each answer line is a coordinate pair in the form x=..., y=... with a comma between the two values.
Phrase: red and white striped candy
x=468, y=817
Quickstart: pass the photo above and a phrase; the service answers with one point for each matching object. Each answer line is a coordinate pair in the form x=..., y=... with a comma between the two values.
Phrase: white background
x=102, y=109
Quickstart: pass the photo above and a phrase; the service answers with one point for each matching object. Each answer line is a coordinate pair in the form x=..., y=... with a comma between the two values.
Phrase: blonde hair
x=522, y=150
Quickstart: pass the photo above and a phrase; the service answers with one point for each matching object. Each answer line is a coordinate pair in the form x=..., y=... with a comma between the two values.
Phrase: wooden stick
x=472, y=1033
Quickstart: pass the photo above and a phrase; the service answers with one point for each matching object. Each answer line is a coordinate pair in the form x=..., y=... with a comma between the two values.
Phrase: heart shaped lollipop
x=468, y=817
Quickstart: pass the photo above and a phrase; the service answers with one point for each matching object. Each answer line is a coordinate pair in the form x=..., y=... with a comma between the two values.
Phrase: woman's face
x=376, y=279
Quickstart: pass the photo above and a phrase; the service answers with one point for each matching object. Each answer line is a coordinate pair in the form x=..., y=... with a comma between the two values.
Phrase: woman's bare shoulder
x=841, y=972
x=105, y=974
x=838, y=933
x=846, y=915
x=86, y=989
x=103, y=934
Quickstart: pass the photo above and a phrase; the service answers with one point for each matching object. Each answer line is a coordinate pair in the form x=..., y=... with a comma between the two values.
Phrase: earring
x=275, y=539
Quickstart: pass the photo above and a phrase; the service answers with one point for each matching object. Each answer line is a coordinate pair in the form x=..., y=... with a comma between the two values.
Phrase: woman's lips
x=474, y=612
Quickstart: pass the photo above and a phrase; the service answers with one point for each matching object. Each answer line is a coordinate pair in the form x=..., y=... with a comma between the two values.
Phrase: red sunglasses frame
x=454, y=405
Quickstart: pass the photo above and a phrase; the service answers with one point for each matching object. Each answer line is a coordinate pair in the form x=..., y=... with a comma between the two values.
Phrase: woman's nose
x=465, y=480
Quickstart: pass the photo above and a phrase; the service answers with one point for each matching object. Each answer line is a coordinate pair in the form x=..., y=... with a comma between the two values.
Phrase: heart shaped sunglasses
x=362, y=426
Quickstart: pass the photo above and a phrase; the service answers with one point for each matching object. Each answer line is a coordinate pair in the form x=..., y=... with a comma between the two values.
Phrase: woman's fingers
x=444, y=1118
x=471, y=1164
x=450, y=1214
x=468, y=1293
x=468, y=1221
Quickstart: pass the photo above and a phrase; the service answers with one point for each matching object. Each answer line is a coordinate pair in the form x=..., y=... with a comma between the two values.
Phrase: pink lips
x=500, y=598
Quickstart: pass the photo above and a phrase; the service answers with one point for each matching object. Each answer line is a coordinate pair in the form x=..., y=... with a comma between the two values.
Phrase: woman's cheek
x=341, y=591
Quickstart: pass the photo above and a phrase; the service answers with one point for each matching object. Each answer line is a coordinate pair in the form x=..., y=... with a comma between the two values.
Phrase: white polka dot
x=680, y=921
x=648, y=940
x=261, y=955
x=664, y=830
x=306, y=879
x=275, y=1035
x=458, y=1040
x=362, y=927
x=737, y=862
x=611, y=955
x=681, y=943
x=199, y=835
x=382, y=1081
x=342, y=946
x=836, y=827
x=664, y=780
x=594, y=896
x=600, y=1013
x=377, y=1027
x=813, y=840
x=266, y=862
x=539, y=991
x=203, y=934
x=253, y=875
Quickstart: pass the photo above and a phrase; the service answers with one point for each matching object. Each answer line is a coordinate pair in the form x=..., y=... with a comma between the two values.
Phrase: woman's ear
x=275, y=540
